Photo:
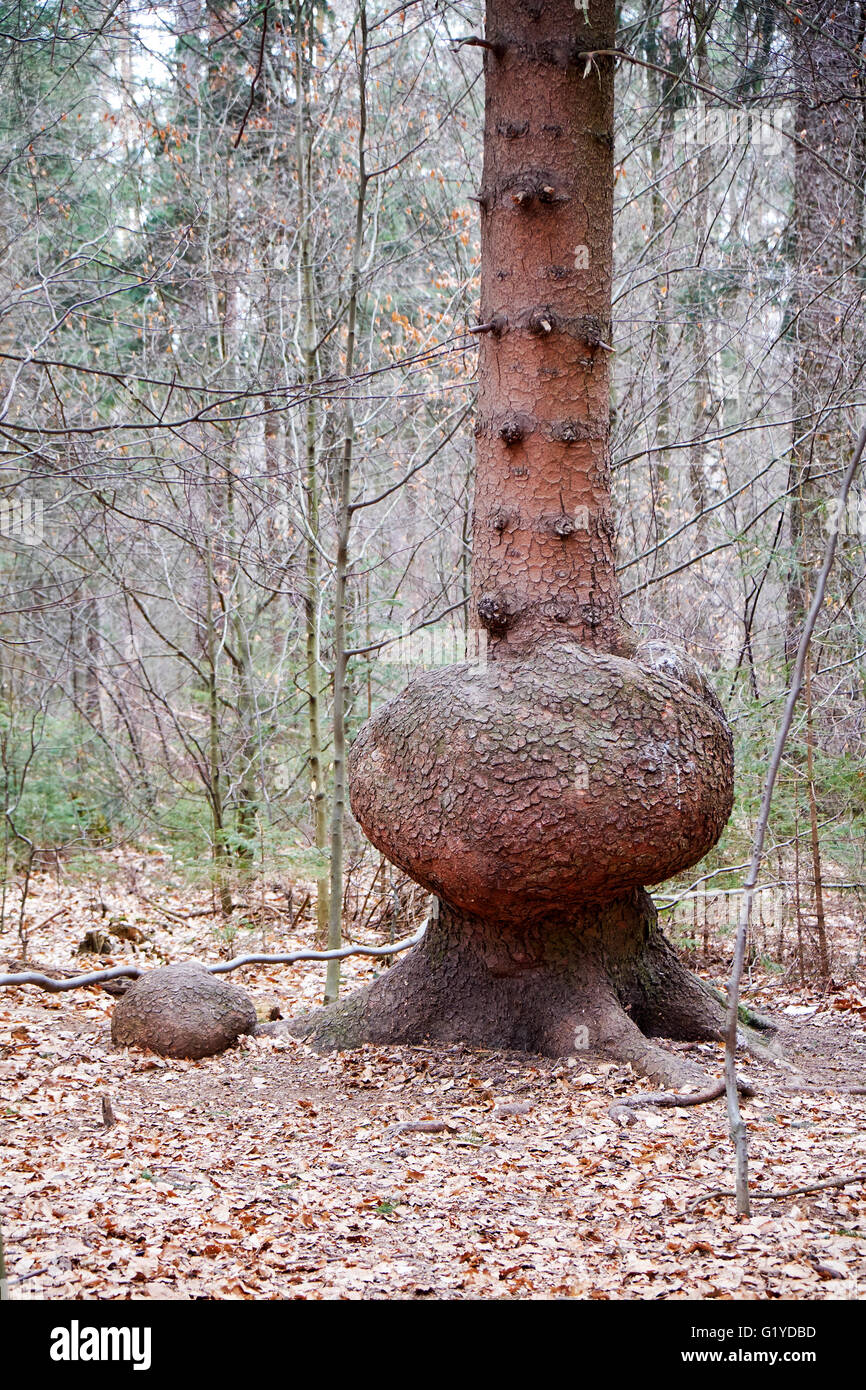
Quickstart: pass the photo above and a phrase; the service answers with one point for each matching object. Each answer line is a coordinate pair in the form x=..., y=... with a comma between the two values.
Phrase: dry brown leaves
x=270, y=1172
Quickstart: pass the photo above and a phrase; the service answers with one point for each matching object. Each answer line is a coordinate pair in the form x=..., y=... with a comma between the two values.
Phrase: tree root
x=782, y=1194
x=621, y=1108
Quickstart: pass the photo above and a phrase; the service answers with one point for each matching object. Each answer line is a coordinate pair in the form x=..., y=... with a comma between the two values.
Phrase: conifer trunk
x=536, y=791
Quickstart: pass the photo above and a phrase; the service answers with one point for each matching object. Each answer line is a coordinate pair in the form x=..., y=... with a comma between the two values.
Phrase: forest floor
x=271, y=1172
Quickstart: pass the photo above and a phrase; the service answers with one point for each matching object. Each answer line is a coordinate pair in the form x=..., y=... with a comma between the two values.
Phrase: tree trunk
x=214, y=763
x=543, y=537
x=344, y=522
x=537, y=790
x=597, y=979
x=826, y=325
x=704, y=407
x=826, y=322
x=312, y=595
x=661, y=30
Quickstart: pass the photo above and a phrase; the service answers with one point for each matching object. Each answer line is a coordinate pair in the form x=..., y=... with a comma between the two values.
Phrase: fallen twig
x=296, y=916
x=421, y=1127
x=22, y=1278
x=98, y=977
x=808, y=1087
x=31, y=931
x=184, y=916
x=676, y=1098
x=780, y=1196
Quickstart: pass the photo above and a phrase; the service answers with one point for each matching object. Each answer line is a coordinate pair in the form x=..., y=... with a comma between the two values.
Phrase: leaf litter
x=404, y=1172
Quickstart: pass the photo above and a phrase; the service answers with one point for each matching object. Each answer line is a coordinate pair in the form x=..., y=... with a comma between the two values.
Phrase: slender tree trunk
x=703, y=408
x=249, y=753
x=344, y=522
x=312, y=610
x=659, y=154
x=798, y=903
x=827, y=216
x=215, y=795
x=248, y=759
x=817, y=873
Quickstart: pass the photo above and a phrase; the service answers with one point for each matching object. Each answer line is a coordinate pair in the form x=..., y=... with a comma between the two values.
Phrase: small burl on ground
x=182, y=1011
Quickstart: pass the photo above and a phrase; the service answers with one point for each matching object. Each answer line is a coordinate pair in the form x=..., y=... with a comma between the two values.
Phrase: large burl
x=535, y=794
x=538, y=792
x=512, y=788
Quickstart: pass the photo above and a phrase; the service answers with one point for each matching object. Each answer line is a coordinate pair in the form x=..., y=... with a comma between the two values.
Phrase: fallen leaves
x=397, y=1172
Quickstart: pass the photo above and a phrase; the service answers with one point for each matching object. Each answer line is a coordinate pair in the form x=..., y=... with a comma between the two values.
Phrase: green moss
x=335, y=1027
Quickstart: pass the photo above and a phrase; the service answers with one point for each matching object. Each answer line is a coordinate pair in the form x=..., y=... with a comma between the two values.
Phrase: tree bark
x=826, y=314
x=543, y=535
x=537, y=790
x=312, y=595
x=826, y=320
x=344, y=523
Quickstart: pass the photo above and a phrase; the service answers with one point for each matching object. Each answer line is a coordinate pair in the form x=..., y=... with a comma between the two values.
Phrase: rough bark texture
x=828, y=240
x=596, y=979
x=182, y=1011
x=517, y=787
x=543, y=535
x=537, y=791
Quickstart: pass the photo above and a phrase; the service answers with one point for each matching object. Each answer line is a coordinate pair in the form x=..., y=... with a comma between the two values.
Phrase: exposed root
x=784, y=1193
x=648, y=1059
x=621, y=1108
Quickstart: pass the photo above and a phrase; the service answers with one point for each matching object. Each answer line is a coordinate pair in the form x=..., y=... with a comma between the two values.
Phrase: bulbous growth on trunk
x=519, y=788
